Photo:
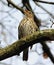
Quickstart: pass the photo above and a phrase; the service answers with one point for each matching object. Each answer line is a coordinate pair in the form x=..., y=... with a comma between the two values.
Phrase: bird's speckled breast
x=27, y=26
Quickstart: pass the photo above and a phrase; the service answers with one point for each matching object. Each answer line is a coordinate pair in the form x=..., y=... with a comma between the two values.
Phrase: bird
x=26, y=27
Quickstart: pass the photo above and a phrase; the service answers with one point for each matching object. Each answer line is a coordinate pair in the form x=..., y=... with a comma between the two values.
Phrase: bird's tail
x=25, y=54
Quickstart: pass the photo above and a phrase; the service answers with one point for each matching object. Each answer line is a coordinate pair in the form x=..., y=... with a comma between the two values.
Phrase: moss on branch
x=23, y=43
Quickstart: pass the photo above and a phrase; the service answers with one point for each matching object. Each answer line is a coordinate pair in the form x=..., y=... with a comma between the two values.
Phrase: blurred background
x=9, y=21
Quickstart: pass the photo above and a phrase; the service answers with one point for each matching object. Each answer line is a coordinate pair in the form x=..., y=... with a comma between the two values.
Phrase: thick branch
x=46, y=2
x=23, y=43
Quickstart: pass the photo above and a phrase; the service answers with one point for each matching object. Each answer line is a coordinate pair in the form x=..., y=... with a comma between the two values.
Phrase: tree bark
x=24, y=43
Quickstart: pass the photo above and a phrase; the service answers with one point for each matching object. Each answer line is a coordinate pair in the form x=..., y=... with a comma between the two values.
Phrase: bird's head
x=28, y=13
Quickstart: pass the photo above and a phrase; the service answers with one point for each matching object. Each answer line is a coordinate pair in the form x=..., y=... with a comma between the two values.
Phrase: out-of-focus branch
x=24, y=43
x=7, y=30
x=21, y=9
x=28, y=6
x=3, y=2
x=46, y=2
x=44, y=10
x=14, y=5
x=46, y=49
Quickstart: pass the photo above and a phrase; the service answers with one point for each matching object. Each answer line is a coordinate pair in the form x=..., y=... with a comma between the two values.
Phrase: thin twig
x=45, y=10
x=14, y=5
x=46, y=2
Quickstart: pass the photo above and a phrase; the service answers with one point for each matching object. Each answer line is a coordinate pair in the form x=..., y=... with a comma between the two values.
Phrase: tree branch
x=27, y=5
x=46, y=2
x=3, y=2
x=45, y=10
x=47, y=50
x=24, y=43
x=14, y=5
